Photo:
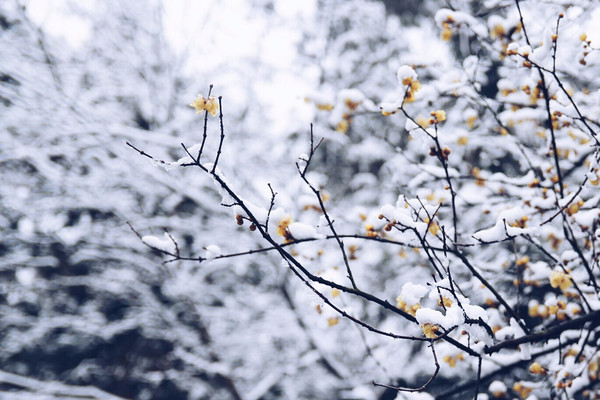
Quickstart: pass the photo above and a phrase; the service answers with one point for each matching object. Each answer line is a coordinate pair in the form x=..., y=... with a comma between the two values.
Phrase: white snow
x=165, y=244
x=586, y=217
x=301, y=231
x=25, y=276
x=212, y=251
x=412, y=293
x=430, y=316
x=405, y=72
x=497, y=387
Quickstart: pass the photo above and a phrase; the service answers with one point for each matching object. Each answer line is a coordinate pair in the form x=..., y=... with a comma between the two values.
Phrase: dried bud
x=445, y=153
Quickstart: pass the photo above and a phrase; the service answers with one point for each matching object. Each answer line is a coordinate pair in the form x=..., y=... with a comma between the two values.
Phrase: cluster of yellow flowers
x=452, y=360
x=282, y=228
x=201, y=103
x=410, y=309
x=447, y=26
x=412, y=86
x=523, y=390
x=537, y=369
x=430, y=330
x=543, y=311
x=371, y=232
x=559, y=279
x=438, y=116
x=593, y=370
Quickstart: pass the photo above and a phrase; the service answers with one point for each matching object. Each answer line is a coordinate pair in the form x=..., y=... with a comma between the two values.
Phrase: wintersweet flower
x=282, y=226
x=200, y=103
x=537, y=369
x=430, y=330
x=561, y=280
x=439, y=115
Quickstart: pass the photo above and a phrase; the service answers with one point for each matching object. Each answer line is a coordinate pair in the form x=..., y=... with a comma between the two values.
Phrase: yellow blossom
x=434, y=228
x=497, y=32
x=422, y=122
x=561, y=280
x=430, y=330
x=413, y=86
x=283, y=225
x=446, y=34
x=593, y=370
x=325, y=107
x=537, y=369
x=401, y=304
x=342, y=126
x=370, y=230
x=522, y=390
x=447, y=302
x=522, y=261
x=534, y=311
x=333, y=321
x=439, y=115
x=202, y=104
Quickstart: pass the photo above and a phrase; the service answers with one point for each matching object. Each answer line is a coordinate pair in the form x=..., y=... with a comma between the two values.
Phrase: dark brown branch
x=222, y=137
x=204, y=130
x=317, y=193
x=491, y=288
x=448, y=394
x=546, y=334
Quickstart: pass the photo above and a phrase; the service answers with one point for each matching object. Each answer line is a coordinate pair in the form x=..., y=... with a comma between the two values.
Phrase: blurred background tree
x=85, y=303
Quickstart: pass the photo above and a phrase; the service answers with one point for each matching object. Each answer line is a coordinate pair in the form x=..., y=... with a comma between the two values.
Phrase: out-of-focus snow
x=165, y=244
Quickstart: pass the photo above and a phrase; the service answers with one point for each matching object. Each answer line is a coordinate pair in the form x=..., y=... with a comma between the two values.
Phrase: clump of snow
x=511, y=331
x=412, y=293
x=25, y=276
x=513, y=46
x=165, y=244
x=430, y=316
x=414, y=396
x=390, y=108
x=404, y=73
x=353, y=95
x=212, y=251
x=587, y=217
x=454, y=316
x=503, y=229
x=301, y=231
x=497, y=387
x=568, y=256
x=259, y=213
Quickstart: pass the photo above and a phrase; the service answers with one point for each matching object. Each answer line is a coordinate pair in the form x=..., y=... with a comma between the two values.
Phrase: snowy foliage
x=448, y=220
